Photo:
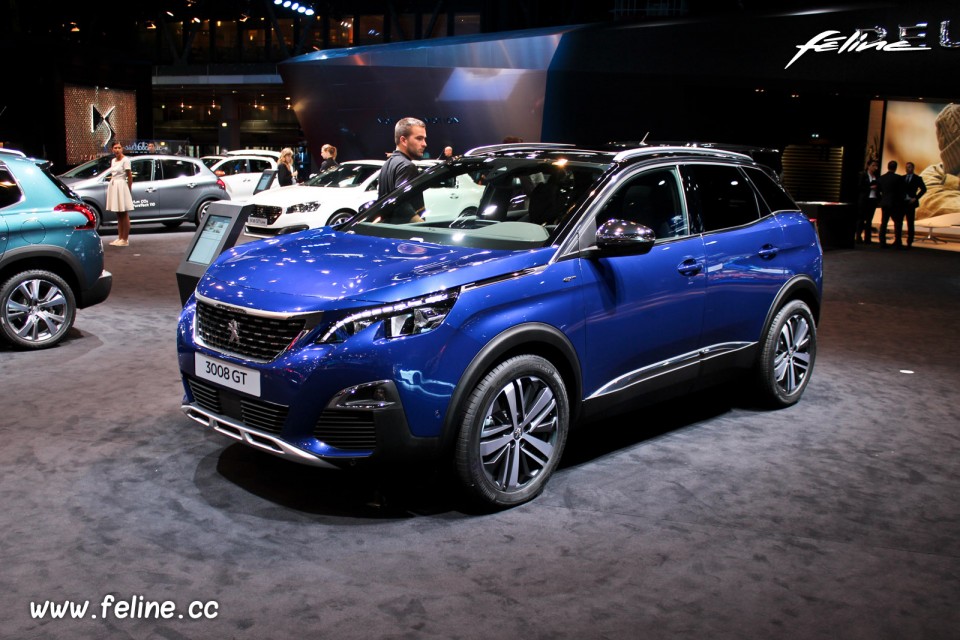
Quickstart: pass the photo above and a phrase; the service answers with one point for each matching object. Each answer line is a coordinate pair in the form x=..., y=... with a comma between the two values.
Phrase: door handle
x=454, y=196
x=150, y=189
x=689, y=267
x=191, y=184
x=768, y=251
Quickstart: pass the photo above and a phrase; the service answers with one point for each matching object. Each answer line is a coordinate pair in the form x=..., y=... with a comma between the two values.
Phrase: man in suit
x=867, y=201
x=915, y=188
x=893, y=196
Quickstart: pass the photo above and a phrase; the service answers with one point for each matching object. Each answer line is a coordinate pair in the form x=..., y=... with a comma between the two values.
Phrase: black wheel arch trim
x=800, y=287
x=50, y=257
x=534, y=338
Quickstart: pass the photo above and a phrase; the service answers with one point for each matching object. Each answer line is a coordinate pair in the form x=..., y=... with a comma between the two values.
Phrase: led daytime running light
x=379, y=313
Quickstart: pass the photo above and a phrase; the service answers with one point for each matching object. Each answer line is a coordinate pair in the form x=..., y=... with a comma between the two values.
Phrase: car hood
x=286, y=196
x=322, y=269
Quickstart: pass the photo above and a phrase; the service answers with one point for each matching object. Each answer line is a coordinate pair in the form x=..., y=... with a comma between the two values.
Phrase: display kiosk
x=220, y=229
x=266, y=180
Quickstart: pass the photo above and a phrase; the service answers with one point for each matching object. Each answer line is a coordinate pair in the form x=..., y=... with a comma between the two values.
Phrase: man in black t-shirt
x=410, y=136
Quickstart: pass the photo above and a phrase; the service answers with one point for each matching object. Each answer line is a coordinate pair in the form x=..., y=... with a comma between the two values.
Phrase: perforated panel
x=94, y=116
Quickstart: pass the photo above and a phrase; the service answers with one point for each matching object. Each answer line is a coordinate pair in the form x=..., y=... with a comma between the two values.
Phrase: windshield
x=89, y=169
x=345, y=175
x=487, y=202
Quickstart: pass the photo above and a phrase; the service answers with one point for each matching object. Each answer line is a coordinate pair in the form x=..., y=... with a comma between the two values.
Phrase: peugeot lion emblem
x=234, y=329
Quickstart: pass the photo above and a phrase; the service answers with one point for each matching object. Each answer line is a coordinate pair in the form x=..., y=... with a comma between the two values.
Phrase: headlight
x=303, y=207
x=406, y=318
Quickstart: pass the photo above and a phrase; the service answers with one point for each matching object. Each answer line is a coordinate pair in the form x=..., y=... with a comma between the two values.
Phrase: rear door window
x=725, y=198
x=174, y=168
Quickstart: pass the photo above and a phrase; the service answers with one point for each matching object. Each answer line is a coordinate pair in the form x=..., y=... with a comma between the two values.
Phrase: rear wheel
x=202, y=211
x=37, y=308
x=787, y=357
x=513, y=430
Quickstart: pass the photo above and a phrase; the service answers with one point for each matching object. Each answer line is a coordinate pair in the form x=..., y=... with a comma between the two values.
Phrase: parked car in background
x=51, y=258
x=584, y=283
x=241, y=173
x=167, y=189
x=328, y=198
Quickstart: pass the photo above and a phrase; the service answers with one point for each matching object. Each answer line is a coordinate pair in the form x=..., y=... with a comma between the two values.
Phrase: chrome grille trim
x=260, y=337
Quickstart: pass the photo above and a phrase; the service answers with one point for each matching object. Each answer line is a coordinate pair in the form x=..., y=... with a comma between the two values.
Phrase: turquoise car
x=51, y=257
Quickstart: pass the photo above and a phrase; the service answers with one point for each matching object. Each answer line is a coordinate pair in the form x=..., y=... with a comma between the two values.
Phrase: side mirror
x=624, y=237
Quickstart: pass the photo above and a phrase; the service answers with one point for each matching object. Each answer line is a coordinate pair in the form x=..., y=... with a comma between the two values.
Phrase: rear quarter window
x=10, y=192
x=771, y=192
x=724, y=196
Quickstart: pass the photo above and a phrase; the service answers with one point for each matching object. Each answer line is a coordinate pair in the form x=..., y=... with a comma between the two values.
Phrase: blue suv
x=51, y=258
x=580, y=283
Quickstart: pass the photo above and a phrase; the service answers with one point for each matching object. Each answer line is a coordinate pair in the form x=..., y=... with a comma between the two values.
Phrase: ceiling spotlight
x=277, y=1
x=295, y=6
x=310, y=12
x=286, y=3
x=244, y=17
x=302, y=10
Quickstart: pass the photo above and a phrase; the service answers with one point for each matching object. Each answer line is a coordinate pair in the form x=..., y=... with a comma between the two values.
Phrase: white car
x=329, y=198
x=241, y=173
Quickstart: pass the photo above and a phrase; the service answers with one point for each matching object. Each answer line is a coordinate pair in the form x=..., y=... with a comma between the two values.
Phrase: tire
x=787, y=356
x=37, y=308
x=513, y=429
x=340, y=217
x=202, y=211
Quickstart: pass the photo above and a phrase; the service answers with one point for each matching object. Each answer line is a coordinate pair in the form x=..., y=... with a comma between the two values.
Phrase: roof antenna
x=644, y=140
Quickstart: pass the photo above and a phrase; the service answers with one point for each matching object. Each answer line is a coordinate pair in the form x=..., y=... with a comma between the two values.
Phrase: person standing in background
x=410, y=136
x=915, y=188
x=329, y=154
x=447, y=153
x=286, y=174
x=868, y=189
x=119, y=194
x=893, y=198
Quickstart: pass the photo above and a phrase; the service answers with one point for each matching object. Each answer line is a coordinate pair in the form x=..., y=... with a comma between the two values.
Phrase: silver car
x=167, y=189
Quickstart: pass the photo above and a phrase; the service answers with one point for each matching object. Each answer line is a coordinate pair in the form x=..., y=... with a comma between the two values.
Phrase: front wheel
x=37, y=308
x=513, y=429
x=340, y=217
x=787, y=357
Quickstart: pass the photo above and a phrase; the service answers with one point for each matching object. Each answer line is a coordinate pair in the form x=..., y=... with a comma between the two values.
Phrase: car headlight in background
x=303, y=207
x=405, y=318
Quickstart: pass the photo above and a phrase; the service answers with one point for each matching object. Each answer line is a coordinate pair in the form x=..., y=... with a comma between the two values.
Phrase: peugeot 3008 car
x=582, y=283
x=168, y=189
x=51, y=258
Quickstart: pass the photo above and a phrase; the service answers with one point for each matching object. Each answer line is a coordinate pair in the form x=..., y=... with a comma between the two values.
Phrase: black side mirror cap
x=621, y=237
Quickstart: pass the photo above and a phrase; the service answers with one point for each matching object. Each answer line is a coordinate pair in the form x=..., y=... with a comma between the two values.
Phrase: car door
x=643, y=312
x=177, y=186
x=741, y=243
x=146, y=196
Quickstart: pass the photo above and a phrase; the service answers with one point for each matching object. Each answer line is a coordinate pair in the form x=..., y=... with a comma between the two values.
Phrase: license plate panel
x=257, y=221
x=227, y=374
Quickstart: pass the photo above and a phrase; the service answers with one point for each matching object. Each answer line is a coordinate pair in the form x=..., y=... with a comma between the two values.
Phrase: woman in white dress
x=119, y=198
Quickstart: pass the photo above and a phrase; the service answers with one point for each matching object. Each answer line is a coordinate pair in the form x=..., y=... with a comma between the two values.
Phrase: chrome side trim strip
x=252, y=437
x=668, y=366
x=507, y=276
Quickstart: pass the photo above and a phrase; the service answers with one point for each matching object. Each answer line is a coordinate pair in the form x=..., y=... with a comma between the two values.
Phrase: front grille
x=268, y=212
x=257, y=337
x=255, y=413
x=349, y=430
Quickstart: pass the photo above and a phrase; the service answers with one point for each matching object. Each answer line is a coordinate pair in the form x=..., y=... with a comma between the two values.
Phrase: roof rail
x=653, y=149
x=518, y=146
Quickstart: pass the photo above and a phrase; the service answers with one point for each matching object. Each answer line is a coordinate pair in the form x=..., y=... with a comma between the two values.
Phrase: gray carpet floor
x=704, y=518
